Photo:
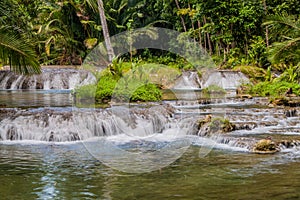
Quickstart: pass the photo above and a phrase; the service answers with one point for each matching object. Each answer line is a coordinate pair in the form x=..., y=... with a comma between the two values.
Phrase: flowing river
x=51, y=149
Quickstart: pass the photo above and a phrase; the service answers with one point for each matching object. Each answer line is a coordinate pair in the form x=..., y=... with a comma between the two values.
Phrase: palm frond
x=15, y=50
x=93, y=4
x=285, y=31
x=18, y=53
x=284, y=50
x=286, y=21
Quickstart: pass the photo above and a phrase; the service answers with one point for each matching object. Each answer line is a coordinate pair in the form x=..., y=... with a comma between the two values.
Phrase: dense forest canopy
x=234, y=32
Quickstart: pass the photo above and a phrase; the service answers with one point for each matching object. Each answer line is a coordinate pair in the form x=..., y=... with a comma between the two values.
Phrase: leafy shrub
x=124, y=90
x=105, y=88
x=148, y=92
x=136, y=90
x=274, y=88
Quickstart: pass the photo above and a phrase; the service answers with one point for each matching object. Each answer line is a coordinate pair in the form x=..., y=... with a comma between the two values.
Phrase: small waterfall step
x=57, y=79
x=226, y=79
x=189, y=80
x=67, y=124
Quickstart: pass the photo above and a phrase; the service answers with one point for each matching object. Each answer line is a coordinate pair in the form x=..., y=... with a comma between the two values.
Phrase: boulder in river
x=209, y=126
x=265, y=146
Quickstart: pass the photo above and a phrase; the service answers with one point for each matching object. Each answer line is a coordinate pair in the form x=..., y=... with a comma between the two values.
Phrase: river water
x=34, y=169
x=68, y=171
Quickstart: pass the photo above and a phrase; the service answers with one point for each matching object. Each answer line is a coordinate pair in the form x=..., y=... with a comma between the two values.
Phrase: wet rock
x=289, y=93
x=293, y=102
x=209, y=126
x=245, y=125
x=5, y=113
x=290, y=113
x=286, y=101
x=265, y=146
x=12, y=134
x=244, y=96
x=204, y=101
x=74, y=136
x=240, y=90
x=268, y=123
x=279, y=101
x=51, y=138
x=288, y=143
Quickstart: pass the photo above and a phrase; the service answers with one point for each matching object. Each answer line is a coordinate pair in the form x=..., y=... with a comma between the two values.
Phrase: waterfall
x=58, y=79
x=188, y=80
x=224, y=78
x=62, y=125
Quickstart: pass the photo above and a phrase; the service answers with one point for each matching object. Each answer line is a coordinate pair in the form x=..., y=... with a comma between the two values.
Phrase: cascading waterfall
x=73, y=124
x=224, y=78
x=58, y=79
x=188, y=80
x=70, y=125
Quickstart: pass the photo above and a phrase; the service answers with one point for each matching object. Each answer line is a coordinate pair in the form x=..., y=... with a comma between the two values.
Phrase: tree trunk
x=208, y=40
x=109, y=48
x=267, y=30
x=199, y=32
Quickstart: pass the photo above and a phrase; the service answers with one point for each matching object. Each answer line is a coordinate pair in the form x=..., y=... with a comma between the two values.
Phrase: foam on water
x=213, y=144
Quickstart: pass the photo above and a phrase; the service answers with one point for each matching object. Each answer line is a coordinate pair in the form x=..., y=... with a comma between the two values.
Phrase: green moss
x=214, y=89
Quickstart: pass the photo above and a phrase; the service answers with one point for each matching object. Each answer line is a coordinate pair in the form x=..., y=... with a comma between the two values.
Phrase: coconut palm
x=15, y=50
x=100, y=7
x=285, y=32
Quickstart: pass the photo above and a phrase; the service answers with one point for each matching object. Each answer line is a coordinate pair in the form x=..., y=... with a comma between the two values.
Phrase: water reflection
x=35, y=98
x=67, y=171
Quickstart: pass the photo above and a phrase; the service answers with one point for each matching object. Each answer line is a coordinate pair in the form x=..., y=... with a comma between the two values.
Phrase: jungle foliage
x=263, y=34
x=234, y=32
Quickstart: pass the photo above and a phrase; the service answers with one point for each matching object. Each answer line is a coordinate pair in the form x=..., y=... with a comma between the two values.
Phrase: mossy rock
x=265, y=146
x=221, y=124
x=209, y=126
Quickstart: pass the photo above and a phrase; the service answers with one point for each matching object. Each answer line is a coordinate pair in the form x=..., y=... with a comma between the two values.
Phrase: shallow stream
x=47, y=149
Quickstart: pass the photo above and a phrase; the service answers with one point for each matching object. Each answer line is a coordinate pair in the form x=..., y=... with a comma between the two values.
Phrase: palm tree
x=286, y=31
x=15, y=50
x=109, y=48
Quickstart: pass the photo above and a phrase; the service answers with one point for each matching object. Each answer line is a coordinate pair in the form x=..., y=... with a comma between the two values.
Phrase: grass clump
x=273, y=88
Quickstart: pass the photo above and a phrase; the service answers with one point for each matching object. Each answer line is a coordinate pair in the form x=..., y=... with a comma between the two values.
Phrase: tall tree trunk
x=109, y=48
x=267, y=30
x=199, y=32
x=205, y=39
x=182, y=20
x=208, y=39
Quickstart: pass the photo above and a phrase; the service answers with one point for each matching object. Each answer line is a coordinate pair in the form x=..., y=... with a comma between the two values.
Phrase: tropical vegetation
x=262, y=35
